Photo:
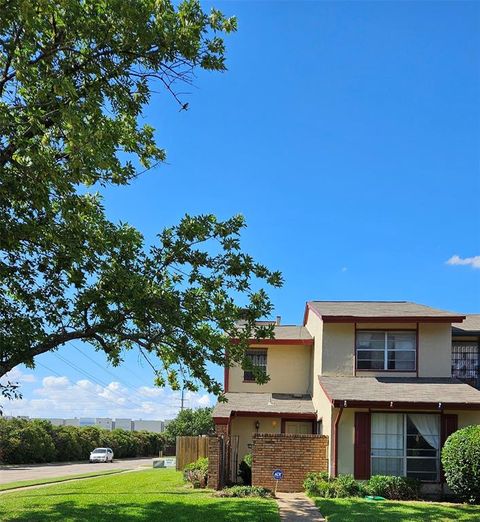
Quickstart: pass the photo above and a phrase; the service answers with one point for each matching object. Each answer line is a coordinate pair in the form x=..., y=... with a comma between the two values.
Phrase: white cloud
x=17, y=375
x=474, y=261
x=60, y=397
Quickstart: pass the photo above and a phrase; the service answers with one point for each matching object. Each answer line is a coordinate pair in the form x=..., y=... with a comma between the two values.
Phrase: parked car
x=101, y=455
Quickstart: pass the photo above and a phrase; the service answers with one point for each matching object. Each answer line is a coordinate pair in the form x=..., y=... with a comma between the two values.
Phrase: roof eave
x=402, y=405
x=305, y=342
x=391, y=319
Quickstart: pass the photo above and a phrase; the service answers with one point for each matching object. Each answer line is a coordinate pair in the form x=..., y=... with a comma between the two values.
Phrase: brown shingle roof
x=378, y=309
x=448, y=391
x=470, y=325
x=275, y=403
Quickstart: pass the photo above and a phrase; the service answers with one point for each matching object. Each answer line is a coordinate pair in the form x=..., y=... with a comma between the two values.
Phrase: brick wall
x=214, y=448
x=295, y=455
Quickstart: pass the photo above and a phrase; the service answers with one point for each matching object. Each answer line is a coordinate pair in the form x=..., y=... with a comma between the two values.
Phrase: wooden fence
x=189, y=449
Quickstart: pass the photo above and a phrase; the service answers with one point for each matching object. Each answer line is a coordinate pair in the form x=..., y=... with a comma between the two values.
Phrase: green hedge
x=461, y=463
x=343, y=486
x=35, y=441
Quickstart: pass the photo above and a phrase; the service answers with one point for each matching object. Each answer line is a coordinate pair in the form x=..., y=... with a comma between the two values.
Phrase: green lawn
x=357, y=509
x=151, y=495
x=23, y=483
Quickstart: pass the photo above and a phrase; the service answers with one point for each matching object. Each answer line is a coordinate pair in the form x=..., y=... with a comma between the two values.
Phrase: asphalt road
x=40, y=471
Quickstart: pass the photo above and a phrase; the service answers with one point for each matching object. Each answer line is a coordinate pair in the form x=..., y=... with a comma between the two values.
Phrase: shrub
x=245, y=491
x=321, y=485
x=393, y=488
x=347, y=486
x=197, y=472
x=461, y=463
x=27, y=441
x=245, y=469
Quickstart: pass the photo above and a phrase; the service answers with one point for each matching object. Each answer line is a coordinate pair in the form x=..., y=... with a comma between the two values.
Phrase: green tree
x=190, y=422
x=75, y=78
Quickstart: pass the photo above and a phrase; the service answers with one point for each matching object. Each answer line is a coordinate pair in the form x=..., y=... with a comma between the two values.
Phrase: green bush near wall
x=461, y=463
x=36, y=441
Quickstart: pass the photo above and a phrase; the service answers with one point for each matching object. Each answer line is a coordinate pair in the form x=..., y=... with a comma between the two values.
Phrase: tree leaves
x=75, y=78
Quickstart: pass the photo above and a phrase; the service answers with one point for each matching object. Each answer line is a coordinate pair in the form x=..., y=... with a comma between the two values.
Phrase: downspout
x=335, y=442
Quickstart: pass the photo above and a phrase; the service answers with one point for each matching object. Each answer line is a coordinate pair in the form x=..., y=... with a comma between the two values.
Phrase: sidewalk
x=297, y=506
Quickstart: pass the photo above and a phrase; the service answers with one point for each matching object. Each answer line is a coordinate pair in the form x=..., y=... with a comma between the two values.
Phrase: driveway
x=16, y=472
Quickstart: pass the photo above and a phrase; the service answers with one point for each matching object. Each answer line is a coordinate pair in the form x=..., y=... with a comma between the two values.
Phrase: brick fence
x=214, y=462
x=295, y=455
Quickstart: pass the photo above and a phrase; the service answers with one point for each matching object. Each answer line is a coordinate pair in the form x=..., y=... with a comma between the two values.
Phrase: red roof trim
x=396, y=405
x=389, y=319
x=274, y=414
x=221, y=420
x=287, y=342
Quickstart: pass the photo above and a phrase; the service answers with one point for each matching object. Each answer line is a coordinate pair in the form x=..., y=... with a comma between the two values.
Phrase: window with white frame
x=258, y=360
x=386, y=350
x=406, y=444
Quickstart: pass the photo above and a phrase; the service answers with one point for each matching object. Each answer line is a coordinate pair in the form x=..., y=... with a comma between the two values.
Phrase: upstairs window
x=466, y=362
x=258, y=358
x=386, y=350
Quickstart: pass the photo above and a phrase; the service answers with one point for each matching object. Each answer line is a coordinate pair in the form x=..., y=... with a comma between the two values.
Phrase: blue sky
x=348, y=135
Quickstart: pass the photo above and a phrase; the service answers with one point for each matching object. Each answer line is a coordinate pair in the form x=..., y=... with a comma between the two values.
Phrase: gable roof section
x=470, y=326
x=287, y=334
x=378, y=311
x=395, y=392
x=274, y=404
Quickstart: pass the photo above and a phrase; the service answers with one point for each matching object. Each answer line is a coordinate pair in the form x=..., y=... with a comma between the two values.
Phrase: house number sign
x=277, y=474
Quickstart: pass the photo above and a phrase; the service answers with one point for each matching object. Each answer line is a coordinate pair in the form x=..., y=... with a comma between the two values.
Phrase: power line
x=97, y=381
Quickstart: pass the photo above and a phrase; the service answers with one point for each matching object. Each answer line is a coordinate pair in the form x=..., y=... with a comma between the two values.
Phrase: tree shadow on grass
x=244, y=510
x=356, y=510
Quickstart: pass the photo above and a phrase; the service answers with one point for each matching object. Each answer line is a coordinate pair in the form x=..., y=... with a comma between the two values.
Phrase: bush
x=197, y=472
x=28, y=441
x=245, y=491
x=461, y=463
x=393, y=488
x=321, y=485
x=245, y=469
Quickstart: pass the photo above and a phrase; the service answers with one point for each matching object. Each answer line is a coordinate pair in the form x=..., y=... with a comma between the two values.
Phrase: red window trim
x=356, y=369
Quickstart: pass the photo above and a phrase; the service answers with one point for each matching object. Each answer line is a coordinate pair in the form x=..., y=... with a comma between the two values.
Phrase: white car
x=101, y=455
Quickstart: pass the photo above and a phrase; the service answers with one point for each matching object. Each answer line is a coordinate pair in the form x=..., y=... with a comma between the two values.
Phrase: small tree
x=190, y=422
x=461, y=462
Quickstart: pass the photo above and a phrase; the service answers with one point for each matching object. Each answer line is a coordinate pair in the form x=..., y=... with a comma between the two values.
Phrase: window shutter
x=362, y=446
x=449, y=425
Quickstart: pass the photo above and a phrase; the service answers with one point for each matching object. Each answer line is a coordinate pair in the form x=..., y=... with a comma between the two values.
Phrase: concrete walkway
x=297, y=506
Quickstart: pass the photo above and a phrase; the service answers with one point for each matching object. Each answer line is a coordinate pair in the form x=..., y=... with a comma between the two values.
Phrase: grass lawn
x=150, y=495
x=357, y=509
x=22, y=483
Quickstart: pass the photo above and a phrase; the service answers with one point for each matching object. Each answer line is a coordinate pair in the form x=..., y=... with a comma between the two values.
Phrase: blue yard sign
x=277, y=474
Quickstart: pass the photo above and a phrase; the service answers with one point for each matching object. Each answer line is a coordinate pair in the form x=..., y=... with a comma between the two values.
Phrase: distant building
x=72, y=422
x=87, y=421
x=123, y=424
x=155, y=426
x=56, y=422
x=104, y=422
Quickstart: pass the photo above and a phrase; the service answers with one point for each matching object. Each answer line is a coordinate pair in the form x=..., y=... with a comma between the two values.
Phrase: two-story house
x=376, y=377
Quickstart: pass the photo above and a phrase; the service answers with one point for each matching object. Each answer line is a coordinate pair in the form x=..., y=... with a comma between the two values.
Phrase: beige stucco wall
x=466, y=418
x=287, y=366
x=315, y=326
x=434, y=346
x=346, y=434
x=244, y=427
x=338, y=348
x=434, y=350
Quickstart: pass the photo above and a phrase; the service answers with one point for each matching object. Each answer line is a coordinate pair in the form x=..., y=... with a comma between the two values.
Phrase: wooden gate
x=189, y=449
x=233, y=459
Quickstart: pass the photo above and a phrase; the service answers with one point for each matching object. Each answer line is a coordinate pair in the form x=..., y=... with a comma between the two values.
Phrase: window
x=406, y=445
x=386, y=350
x=258, y=358
x=466, y=362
